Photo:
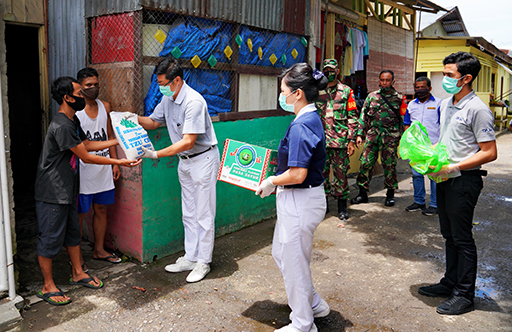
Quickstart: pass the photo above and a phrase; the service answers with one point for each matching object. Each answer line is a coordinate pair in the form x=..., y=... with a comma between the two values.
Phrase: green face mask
x=331, y=76
x=385, y=90
x=166, y=90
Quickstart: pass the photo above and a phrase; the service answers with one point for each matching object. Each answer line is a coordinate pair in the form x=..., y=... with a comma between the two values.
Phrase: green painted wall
x=236, y=207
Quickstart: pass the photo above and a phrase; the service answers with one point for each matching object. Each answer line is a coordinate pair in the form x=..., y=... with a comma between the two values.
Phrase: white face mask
x=284, y=105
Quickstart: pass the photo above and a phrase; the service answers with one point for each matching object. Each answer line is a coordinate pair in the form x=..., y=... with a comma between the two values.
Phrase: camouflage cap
x=330, y=63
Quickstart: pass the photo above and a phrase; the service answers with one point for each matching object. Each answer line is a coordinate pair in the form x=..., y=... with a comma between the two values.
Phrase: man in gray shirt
x=467, y=130
x=185, y=113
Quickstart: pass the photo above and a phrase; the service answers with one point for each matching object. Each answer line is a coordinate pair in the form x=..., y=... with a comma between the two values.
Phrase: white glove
x=127, y=115
x=149, y=153
x=443, y=173
x=445, y=170
x=266, y=188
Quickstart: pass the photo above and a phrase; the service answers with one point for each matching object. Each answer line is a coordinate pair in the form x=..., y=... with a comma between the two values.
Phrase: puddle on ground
x=505, y=199
x=485, y=288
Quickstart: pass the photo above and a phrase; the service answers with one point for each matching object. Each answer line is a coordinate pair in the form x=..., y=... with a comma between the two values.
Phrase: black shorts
x=58, y=226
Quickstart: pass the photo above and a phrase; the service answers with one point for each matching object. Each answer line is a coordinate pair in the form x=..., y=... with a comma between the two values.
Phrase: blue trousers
x=418, y=182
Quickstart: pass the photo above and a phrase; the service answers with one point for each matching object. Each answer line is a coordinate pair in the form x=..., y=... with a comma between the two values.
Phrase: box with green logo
x=246, y=165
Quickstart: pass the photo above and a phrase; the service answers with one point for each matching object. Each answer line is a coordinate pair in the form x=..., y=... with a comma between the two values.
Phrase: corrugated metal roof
x=457, y=34
x=104, y=7
x=265, y=14
x=453, y=27
x=258, y=13
x=66, y=39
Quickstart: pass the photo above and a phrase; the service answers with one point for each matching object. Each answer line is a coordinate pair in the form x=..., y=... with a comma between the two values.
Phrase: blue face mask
x=166, y=90
x=284, y=105
x=450, y=85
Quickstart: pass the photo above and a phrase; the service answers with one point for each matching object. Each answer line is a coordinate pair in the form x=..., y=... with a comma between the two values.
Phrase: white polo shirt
x=188, y=114
x=427, y=114
x=465, y=125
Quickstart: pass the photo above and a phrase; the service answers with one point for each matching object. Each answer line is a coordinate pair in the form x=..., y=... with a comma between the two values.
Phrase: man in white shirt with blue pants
x=185, y=113
x=425, y=109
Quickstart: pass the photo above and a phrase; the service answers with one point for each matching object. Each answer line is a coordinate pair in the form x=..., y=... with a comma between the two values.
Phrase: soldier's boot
x=326, y=204
x=362, y=197
x=390, y=197
x=342, y=209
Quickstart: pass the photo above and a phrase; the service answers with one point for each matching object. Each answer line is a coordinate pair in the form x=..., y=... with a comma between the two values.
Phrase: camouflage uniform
x=338, y=111
x=382, y=130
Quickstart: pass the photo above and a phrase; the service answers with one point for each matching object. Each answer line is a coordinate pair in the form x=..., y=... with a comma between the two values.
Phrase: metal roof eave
x=429, y=4
x=508, y=70
x=478, y=42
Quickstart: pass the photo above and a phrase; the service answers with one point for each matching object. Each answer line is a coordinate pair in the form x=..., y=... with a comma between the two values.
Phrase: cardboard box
x=246, y=165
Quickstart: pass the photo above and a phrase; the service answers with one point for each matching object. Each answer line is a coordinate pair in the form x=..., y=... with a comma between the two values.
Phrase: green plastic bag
x=415, y=145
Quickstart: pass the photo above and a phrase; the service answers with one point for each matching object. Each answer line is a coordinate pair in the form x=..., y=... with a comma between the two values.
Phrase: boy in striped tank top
x=96, y=181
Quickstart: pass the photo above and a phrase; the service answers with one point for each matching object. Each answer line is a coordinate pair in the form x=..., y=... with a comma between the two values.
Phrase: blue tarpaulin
x=198, y=36
x=203, y=37
x=213, y=85
x=270, y=43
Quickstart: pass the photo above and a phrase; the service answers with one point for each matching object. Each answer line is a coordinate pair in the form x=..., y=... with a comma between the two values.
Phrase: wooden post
x=330, y=36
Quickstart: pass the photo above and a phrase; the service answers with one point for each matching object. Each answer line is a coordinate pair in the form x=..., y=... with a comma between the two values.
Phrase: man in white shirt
x=425, y=109
x=185, y=113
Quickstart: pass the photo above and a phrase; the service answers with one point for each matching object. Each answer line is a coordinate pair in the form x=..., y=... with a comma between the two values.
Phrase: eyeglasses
x=169, y=81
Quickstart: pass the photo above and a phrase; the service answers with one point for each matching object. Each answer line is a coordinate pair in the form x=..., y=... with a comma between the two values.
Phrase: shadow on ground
x=261, y=311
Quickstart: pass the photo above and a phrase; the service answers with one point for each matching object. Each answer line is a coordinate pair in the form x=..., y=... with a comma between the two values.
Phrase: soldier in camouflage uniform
x=338, y=111
x=382, y=127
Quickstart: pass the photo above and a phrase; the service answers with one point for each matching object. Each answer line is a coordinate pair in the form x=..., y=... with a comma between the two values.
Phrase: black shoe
x=342, y=209
x=415, y=207
x=455, y=305
x=362, y=197
x=430, y=211
x=390, y=201
x=436, y=290
x=390, y=197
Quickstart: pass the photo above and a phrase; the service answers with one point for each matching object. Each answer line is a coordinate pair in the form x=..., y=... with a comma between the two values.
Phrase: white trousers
x=299, y=212
x=198, y=177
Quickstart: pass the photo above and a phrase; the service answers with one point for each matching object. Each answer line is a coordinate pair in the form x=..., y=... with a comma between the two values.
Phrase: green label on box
x=246, y=165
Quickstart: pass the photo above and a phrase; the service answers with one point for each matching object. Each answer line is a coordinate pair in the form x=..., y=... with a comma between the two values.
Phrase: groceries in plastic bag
x=415, y=145
x=130, y=135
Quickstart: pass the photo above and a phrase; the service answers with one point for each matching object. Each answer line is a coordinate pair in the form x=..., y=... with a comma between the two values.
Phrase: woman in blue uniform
x=300, y=197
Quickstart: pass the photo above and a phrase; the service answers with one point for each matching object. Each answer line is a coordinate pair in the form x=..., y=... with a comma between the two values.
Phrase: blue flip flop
x=86, y=282
x=46, y=297
x=108, y=259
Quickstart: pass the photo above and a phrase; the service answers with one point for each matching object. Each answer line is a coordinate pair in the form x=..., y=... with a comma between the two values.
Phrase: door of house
x=25, y=115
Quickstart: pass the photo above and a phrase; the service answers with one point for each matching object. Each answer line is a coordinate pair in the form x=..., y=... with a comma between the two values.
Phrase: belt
x=196, y=154
x=302, y=186
x=481, y=172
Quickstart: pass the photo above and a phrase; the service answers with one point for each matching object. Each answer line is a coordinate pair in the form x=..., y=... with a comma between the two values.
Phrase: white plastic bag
x=130, y=135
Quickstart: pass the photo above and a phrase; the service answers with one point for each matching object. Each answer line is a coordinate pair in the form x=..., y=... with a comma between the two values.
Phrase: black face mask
x=422, y=93
x=78, y=105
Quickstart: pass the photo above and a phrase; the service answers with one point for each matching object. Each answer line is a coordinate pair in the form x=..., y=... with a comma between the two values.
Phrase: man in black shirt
x=56, y=188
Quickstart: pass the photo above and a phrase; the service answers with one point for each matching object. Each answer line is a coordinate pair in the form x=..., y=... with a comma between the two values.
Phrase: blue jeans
x=418, y=183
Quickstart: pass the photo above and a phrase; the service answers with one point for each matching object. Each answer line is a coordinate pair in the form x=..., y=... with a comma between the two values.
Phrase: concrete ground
x=368, y=271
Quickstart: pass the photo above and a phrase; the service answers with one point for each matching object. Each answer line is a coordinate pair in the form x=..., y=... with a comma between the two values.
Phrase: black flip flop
x=86, y=282
x=46, y=297
x=107, y=259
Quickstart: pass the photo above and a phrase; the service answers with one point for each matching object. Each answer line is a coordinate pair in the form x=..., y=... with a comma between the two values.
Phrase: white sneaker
x=182, y=264
x=199, y=272
x=321, y=310
x=291, y=328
